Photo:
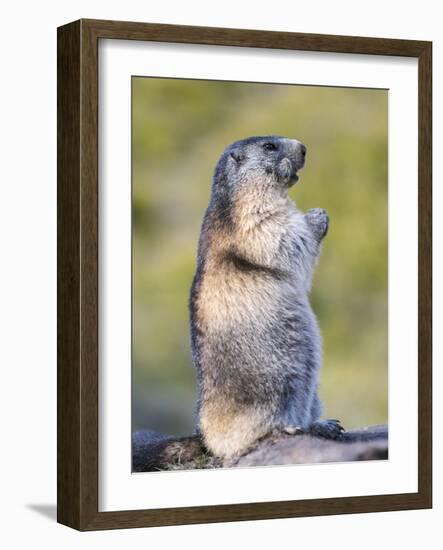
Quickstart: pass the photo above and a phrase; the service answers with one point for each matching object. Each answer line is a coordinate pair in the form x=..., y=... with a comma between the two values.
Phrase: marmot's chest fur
x=255, y=340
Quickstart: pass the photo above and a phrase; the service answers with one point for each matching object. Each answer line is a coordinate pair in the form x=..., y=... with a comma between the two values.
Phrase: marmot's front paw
x=318, y=220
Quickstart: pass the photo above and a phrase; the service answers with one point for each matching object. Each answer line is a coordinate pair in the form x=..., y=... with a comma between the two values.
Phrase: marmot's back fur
x=255, y=339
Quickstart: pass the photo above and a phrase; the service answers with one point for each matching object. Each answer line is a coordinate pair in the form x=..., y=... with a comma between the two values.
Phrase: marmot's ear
x=237, y=155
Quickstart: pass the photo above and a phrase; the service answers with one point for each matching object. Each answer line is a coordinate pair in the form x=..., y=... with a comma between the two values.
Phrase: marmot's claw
x=329, y=429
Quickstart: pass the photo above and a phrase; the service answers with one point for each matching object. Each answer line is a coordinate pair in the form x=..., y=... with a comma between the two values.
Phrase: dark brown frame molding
x=77, y=431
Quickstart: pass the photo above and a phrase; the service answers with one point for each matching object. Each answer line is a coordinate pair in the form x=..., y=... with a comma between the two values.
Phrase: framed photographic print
x=244, y=274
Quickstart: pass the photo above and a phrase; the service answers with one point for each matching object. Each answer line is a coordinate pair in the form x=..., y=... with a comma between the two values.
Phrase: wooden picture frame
x=78, y=273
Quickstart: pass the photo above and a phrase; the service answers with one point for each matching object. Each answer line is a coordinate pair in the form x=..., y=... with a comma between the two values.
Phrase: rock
x=307, y=449
x=153, y=451
x=146, y=447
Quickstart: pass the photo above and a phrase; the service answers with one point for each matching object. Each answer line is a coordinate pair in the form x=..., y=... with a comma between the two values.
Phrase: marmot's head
x=266, y=161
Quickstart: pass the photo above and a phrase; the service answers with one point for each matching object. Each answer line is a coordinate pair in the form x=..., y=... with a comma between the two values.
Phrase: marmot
x=256, y=344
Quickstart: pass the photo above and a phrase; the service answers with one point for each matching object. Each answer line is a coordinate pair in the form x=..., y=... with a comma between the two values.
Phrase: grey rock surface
x=153, y=451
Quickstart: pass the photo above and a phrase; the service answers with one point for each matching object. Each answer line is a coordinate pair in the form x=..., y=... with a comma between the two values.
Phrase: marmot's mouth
x=287, y=172
x=294, y=179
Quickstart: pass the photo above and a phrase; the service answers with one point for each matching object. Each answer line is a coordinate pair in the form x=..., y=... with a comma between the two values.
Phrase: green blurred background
x=179, y=129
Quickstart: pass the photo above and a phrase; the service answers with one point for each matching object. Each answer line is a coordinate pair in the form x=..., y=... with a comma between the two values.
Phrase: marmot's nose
x=303, y=150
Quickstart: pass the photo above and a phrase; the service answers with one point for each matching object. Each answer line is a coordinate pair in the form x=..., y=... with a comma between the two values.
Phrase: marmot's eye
x=269, y=146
